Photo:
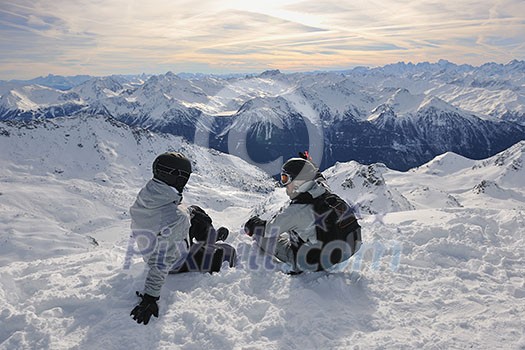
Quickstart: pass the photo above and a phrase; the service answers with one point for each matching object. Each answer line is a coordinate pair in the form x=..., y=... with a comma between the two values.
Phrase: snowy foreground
x=443, y=266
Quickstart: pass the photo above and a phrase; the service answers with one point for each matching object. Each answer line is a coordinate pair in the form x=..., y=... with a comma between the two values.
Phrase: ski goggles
x=171, y=171
x=182, y=173
x=285, y=178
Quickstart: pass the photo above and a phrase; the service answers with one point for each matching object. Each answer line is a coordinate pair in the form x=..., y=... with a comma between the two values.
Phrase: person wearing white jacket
x=160, y=226
x=316, y=231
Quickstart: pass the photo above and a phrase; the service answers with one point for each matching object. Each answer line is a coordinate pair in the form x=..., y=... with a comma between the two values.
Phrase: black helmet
x=297, y=169
x=172, y=168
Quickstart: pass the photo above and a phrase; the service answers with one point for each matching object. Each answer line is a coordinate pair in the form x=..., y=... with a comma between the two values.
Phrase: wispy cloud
x=121, y=36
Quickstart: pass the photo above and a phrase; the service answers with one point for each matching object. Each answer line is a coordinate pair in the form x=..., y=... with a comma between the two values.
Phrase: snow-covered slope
x=57, y=81
x=99, y=88
x=433, y=273
x=447, y=181
x=79, y=175
x=35, y=97
x=496, y=182
x=445, y=164
x=364, y=186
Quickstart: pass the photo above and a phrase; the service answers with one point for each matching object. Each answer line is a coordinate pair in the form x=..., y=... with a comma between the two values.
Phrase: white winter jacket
x=160, y=225
x=297, y=218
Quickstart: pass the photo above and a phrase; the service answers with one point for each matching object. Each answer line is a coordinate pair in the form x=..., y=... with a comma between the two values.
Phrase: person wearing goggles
x=292, y=235
x=171, y=237
x=160, y=226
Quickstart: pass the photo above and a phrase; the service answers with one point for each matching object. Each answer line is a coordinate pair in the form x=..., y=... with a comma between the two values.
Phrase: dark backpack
x=340, y=222
x=335, y=221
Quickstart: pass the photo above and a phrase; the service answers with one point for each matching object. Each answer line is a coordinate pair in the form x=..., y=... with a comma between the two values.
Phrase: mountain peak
x=270, y=73
x=445, y=164
x=506, y=167
x=171, y=75
x=382, y=114
x=513, y=156
x=270, y=103
x=434, y=102
x=443, y=62
x=365, y=186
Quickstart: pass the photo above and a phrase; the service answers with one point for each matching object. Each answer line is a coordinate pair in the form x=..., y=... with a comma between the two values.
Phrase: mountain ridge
x=401, y=114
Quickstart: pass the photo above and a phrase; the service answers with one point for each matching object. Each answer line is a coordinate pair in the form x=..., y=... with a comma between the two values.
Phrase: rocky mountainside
x=402, y=115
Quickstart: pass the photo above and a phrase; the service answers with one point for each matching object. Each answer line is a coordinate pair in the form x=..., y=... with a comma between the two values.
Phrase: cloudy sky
x=102, y=37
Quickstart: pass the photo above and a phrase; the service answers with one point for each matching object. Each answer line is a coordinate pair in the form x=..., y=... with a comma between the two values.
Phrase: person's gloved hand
x=147, y=307
x=254, y=225
x=222, y=233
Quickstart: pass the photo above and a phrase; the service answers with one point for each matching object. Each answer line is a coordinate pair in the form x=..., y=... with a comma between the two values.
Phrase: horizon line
x=286, y=72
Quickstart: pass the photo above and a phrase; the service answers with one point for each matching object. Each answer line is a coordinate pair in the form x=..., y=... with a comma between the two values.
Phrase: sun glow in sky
x=70, y=37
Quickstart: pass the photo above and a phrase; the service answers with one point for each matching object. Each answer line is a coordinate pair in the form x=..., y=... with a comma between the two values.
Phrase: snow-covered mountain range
x=442, y=265
x=402, y=114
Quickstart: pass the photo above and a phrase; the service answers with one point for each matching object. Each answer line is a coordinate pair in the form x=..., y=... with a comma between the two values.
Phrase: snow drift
x=434, y=272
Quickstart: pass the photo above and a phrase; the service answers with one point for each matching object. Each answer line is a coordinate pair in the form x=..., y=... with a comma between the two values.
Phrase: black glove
x=147, y=307
x=201, y=224
x=222, y=233
x=253, y=225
